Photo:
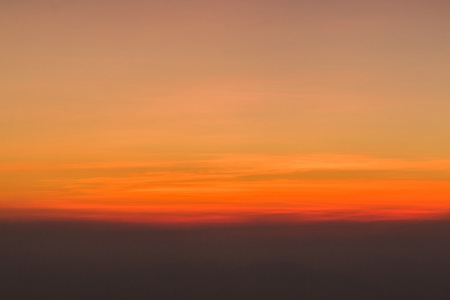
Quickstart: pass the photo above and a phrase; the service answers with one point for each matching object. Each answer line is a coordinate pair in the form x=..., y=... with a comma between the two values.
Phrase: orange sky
x=179, y=111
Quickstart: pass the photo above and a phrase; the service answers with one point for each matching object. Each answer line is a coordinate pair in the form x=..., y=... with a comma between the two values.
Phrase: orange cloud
x=312, y=186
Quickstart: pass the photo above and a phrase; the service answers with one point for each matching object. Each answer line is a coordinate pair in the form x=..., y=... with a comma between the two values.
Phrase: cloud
x=230, y=186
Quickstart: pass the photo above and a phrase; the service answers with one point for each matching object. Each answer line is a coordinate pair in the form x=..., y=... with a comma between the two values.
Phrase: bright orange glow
x=234, y=188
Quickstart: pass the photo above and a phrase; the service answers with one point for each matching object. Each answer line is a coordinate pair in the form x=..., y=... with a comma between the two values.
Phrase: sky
x=224, y=111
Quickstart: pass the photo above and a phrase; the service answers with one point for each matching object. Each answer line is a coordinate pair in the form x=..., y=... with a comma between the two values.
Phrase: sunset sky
x=224, y=111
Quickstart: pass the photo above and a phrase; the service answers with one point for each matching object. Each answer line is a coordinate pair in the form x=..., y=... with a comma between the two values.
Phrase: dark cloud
x=316, y=260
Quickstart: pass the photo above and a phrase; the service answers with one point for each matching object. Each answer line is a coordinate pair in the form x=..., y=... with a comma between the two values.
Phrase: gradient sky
x=221, y=111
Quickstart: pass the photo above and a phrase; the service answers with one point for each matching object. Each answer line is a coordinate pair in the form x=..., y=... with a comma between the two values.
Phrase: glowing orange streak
x=240, y=202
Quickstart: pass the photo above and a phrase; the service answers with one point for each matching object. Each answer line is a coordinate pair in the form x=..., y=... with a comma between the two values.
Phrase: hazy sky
x=220, y=110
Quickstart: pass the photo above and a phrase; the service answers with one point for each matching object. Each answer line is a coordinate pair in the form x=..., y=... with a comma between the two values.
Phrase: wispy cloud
x=317, y=186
